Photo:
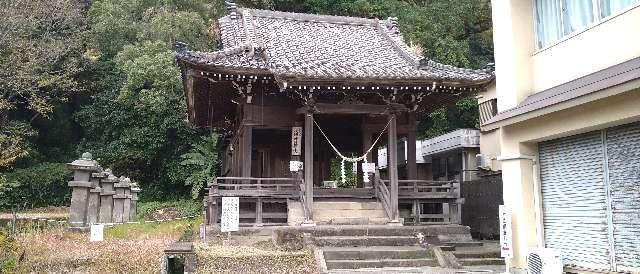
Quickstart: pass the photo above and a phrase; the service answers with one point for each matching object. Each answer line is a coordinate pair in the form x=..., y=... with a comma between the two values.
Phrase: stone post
x=106, y=197
x=82, y=169
x=94, y=197
x=135, y=189
x=118, y=200
x=126, y=206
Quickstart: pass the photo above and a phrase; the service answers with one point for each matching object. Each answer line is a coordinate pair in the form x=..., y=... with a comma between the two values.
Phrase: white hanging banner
x=296, y=141
x=506, y=240
x=230, y=217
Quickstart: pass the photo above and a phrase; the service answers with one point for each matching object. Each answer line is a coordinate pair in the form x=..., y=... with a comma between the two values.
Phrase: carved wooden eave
x=330, y=58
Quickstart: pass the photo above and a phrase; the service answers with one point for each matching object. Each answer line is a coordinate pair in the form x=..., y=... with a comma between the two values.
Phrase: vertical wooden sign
x=296, y=141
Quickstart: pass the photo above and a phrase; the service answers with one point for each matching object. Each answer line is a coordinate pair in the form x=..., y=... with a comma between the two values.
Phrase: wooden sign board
x=296, y=141
x=230, y=217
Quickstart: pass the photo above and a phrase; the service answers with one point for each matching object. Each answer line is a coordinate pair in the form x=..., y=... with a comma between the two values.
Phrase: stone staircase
x=352, y=247
x=340, y=212
x=479, y=253
x=349, y=247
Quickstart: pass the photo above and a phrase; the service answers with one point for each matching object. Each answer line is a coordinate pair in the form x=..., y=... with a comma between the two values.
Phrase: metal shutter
x=623, y=157
x=574, y=199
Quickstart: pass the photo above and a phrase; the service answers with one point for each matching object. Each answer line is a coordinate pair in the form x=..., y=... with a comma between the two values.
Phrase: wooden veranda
x=344, y=85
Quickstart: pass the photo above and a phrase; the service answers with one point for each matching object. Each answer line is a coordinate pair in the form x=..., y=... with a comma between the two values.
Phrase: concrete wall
x=609, y=42
x=518, y=144
x=522, y=70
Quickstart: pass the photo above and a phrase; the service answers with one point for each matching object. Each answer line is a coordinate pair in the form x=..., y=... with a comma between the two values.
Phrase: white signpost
x=96, y=233
x=230, y=219
x=506, y=240
x=296, y=141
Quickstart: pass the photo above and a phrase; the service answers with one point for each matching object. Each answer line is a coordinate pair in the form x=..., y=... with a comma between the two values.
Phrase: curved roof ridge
x=309, y=17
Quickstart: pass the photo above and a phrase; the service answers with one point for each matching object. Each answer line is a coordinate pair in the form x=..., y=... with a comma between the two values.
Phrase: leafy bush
x=202, y=159
x=43, y=184
x=336, y=174
x=169, y=209
x=9, y=253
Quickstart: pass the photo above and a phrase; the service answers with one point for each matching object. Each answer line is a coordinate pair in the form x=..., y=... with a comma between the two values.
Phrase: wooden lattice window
x=487, y=110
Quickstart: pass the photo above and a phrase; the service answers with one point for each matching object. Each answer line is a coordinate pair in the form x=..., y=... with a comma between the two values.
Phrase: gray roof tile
x=321, y=47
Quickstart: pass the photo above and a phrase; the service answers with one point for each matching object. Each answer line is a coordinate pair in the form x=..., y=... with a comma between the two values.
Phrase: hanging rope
x=349, y=159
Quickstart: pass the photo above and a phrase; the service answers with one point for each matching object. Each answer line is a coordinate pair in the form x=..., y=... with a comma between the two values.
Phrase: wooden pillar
x=246, y=147
x=392, y=164
x=366, y=144
x=412, y=166
x=308, y=160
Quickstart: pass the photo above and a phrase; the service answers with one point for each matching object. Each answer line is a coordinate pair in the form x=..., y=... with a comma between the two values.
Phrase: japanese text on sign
x=296, y=141
x=506, y=241
x=230, y=218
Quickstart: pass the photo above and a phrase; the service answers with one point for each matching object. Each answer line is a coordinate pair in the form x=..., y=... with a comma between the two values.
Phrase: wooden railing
x=250, y=190
x=419, y=192
x=254, y=187
x=424, y=189
x=382, y=192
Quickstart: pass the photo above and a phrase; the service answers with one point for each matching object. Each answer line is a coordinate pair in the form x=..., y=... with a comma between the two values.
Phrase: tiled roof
x=319, y=47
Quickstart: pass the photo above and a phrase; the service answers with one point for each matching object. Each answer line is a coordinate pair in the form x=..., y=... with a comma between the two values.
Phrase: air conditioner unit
x=483, y=161
x=544, y=261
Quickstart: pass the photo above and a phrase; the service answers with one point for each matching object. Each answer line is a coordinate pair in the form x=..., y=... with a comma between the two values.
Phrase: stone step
x=327, y=214
x=481, y=261
x=343, y=205
x=354, y=221
x=465, y=244
x=366, y=241
x=355, y=264
x=376, y=252
x=432, y=232
x=476, y=254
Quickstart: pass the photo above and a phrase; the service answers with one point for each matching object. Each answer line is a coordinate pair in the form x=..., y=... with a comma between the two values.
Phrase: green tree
x=42, y=63
x=202, y=161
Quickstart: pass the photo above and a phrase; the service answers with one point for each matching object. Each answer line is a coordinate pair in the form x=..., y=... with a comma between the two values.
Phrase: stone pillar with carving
x=106, y=197
x=82, y=170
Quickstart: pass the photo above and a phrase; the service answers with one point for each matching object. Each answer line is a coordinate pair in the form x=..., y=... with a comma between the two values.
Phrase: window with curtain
x=558, y=18
x=609, y=7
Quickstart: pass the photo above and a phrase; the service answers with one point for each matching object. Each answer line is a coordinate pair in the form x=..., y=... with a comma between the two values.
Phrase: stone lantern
x=106, y=197
x=94, y=197
x=135, y=189
x=82, y=169
x=119, y=199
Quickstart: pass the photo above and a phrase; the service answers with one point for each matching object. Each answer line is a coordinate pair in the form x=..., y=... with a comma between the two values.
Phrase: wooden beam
x=392, y=164
x=325, y=108
x=308, y=159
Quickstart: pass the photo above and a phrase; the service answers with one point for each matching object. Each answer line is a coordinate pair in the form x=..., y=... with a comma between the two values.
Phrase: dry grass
x=262, y=257
x=52, y=212
x=139, y=251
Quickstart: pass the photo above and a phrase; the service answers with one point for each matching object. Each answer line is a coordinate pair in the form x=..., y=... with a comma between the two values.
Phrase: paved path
x=435, y=270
